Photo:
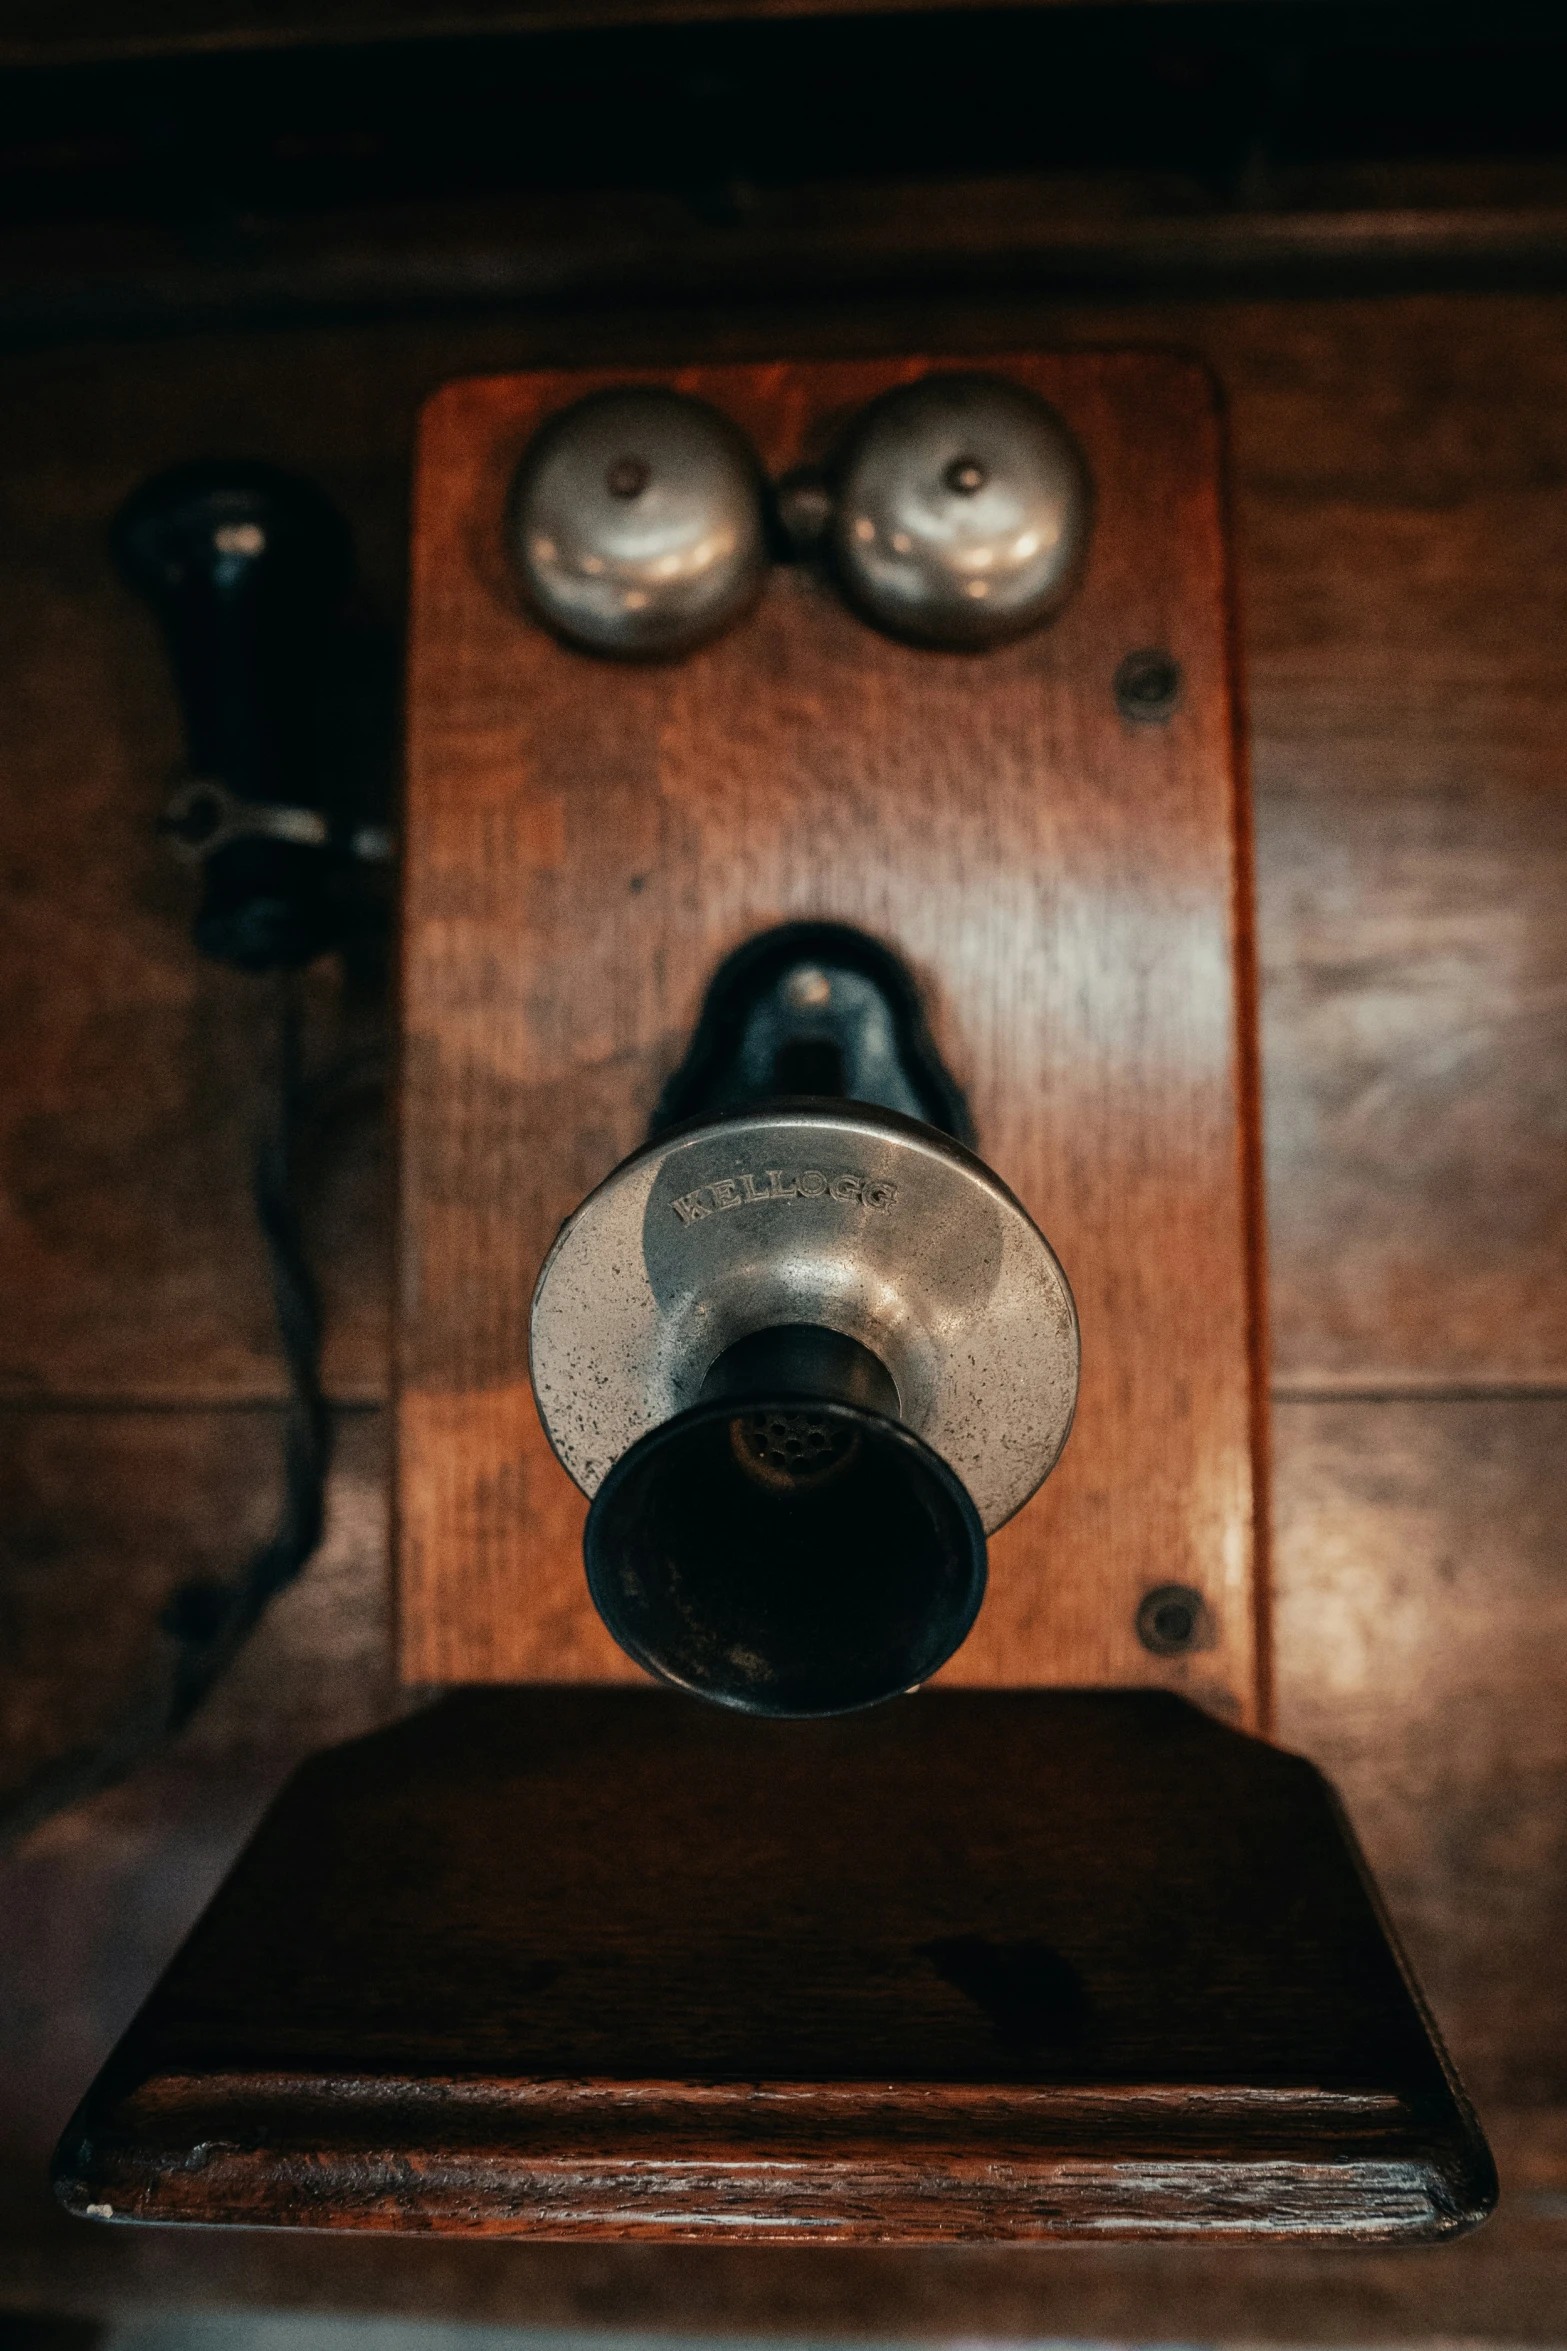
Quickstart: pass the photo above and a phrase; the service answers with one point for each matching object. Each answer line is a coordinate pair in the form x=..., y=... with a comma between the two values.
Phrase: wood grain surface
x=105, y=1515
x=584, y=843
x=1422, y=1619
x=1457, y=1799
x=1401, y=522
x=90, y=31
x=615, y=1963
x=1501, y=2285
x=1402, y=562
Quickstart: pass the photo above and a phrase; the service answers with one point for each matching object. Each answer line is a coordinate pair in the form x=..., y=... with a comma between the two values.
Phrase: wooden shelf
x=573, y=1963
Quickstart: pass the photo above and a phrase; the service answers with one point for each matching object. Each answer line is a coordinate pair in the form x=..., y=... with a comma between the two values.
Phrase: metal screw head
x=637, y=523
x=1173, y=1619
x=240, y=538
x=1148, y=686
x=808, y=987
x=628, y=477
x=962, y=513
x=965, y=477
x=803, y=505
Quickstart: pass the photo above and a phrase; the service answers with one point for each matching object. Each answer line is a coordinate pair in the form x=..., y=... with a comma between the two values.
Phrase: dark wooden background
x=1401, y=519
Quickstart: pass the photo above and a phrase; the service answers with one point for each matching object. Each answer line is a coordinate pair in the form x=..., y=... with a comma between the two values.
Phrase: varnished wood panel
x=105, y=1515
x=1417, y=1053
x=133, y=1076
x=1401, y=535
x=102, y=1517
x=582, y=846
x=1422, y=1630
x=1434, y=431
x=1403, y=575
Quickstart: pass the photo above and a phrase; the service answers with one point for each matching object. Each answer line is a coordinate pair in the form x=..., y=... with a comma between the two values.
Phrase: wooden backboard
x=584, y=842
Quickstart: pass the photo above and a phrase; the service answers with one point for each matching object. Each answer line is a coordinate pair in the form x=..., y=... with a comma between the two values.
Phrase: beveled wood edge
x=321, y=24
x=489, y=387
x=1246, y=993
x=1463, y=2106
x=827, y=2162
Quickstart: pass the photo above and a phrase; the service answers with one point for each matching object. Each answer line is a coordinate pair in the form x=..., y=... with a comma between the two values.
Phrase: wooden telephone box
x=1057, y=1946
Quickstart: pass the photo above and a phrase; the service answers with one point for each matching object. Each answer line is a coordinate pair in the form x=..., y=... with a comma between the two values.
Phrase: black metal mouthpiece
x=787, y=1546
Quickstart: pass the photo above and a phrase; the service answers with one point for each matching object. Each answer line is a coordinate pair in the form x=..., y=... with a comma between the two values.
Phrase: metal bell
x=962, y=512
x=637, y=523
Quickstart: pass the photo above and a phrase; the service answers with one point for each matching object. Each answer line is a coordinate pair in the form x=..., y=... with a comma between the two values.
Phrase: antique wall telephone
x=899, y=1335
x=819, y=776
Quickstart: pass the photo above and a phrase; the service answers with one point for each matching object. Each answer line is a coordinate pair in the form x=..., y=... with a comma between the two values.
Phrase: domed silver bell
x=962, y=513
x=637, y=523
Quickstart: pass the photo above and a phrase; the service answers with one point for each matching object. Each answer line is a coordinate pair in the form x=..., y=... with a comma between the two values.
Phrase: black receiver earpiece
x=249, y=572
